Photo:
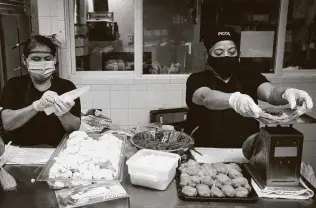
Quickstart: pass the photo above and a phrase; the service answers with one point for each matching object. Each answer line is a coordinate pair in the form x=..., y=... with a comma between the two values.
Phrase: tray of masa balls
x=218, y=182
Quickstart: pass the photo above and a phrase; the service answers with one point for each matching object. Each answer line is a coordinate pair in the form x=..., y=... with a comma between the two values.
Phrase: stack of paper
x=30, y=156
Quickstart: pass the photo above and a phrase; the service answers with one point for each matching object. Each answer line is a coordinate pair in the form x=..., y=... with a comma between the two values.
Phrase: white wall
x=128, y=101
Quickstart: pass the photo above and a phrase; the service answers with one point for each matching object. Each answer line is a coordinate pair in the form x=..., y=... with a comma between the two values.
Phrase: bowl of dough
x=82, y=158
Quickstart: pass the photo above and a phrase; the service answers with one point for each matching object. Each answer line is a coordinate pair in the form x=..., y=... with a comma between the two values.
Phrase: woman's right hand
x=47, y=99
x=244, y=105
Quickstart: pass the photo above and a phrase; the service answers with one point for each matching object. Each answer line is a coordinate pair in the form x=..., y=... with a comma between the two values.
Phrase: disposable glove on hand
x=63, y=104
x=244, y=105
x=298, y=99
x=47, y=99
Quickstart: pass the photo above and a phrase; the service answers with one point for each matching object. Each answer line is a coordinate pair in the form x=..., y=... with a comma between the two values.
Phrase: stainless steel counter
x=39, y=195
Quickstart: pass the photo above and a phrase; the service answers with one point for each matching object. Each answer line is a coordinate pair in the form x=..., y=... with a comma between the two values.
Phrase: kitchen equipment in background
x=276, y=154
x=82, y=53
x=117, y=61
x=103, y=16
x=99, y=30
x=81, y=43
x=130, y=39
x=257, y=44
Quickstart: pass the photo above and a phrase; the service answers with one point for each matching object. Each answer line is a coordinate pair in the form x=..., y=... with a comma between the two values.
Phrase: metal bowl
x=179, y=151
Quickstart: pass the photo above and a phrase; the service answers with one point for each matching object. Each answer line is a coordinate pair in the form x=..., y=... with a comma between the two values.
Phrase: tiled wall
x=128, y=101
x=129, y=104
x=48, y=17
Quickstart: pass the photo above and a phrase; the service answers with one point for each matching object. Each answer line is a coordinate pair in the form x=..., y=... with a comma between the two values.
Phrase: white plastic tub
x=152, y=176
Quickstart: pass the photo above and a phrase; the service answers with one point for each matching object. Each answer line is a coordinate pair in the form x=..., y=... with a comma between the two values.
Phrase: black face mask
x=223, y=66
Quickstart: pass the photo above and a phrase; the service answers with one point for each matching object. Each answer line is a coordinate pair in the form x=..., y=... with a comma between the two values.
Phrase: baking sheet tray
x=44, y=174
x=251, y=198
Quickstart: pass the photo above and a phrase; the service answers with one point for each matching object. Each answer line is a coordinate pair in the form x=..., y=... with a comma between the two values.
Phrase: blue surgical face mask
x=42, y=70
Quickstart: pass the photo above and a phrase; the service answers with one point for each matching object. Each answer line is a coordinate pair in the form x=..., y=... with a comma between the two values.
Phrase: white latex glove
x=298, y=99
x=63, y=104
x=47, y=99
x=244, y=105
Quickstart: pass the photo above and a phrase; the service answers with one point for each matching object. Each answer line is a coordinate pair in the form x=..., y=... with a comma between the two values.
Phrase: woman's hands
x=298, y=99
x=47, y=99
x=244, y=105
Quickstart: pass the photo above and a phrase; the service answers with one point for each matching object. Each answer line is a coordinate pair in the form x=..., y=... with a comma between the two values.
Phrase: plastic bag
x=94, y=120
x=92, y=194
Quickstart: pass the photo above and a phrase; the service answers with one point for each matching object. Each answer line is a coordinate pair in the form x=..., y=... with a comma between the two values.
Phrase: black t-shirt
x=19, y=92
x=221, y=128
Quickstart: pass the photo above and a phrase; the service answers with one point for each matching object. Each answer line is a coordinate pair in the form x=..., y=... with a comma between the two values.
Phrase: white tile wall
x=137, y=116
x=139, y=87
x=55, y=25
x=44, y=9
x=100, y=88
x=173, y=98
x=137, y=99
x=120, y=116
x=53, y=8
x=61, y=13
x=45, y=25
x=119, y=99
x=86, y=100
x=101, y=99
x=155, y=99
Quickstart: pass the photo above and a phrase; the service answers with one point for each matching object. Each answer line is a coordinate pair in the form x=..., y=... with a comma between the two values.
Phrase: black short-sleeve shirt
x=221, y=128
x=18, y=93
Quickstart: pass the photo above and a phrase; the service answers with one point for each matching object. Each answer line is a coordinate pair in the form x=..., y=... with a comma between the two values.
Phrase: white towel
x=308, y=173
x=299, y=193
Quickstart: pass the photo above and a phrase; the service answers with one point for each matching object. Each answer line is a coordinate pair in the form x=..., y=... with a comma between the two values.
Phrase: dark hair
x=39, y=40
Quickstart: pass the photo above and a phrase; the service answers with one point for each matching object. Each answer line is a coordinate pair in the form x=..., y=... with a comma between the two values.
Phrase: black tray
x=251, y=198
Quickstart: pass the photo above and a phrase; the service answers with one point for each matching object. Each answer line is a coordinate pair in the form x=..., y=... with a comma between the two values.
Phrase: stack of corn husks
x=7, y=181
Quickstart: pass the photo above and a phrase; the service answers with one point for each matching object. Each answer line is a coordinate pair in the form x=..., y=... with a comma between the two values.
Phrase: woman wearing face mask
x=222, y=100
x=25, y=98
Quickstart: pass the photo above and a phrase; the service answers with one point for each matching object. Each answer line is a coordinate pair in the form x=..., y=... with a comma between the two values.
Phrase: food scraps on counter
x=88, y=158
x=218, y=179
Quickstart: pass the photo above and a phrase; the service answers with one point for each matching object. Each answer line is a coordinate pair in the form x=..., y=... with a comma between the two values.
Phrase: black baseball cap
x=221, y=33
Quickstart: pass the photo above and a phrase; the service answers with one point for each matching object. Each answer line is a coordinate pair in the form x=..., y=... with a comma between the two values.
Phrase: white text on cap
x=223, y=33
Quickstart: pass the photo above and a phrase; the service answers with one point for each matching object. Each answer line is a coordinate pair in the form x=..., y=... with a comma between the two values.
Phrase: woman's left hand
x=63, y=104
x=298, y=99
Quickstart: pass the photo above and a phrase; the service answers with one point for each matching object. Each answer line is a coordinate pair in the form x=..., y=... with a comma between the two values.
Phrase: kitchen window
x=142, y=38
x=173, y=32
x=300, y=39
x=104, y=35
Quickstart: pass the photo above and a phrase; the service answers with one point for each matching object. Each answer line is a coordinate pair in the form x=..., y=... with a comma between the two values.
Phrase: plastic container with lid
x=152, y=169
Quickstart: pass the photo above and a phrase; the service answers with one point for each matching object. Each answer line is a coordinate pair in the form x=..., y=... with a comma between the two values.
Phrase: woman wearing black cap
x=222, y=100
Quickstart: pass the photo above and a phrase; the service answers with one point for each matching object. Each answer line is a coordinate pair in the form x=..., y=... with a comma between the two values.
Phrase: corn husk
x=7, y=181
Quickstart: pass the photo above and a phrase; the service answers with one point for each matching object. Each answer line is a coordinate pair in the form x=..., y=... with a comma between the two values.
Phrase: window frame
x=138, y=49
